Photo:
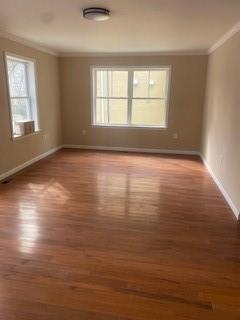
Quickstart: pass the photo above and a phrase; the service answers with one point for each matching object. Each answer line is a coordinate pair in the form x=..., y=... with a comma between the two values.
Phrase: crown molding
x=228, y=35
x=131, y=54
x=28, y=43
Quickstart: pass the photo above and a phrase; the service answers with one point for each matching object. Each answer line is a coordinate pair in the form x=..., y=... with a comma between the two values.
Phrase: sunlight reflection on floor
x=52, y=189
x=29, y=228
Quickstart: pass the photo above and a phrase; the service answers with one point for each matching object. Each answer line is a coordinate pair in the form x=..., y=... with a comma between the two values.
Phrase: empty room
x=120, y=160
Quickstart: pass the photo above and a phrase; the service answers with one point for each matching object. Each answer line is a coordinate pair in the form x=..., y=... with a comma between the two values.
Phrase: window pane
x=118, y=111
x=20, y=109
x=17, y=78
x=149, y=84
x=157, y=84
x=101, y=112
x=112, y=84
x=111, y=111
x=22, y=92
x=148, y=112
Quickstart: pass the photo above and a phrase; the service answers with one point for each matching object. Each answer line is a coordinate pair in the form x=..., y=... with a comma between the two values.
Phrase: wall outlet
x=84, y=132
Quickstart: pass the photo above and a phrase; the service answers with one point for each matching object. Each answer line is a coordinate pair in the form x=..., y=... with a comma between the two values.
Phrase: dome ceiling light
x=96, y=14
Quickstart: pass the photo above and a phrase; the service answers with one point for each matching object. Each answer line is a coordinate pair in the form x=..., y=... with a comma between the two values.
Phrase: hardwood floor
x=117, y=236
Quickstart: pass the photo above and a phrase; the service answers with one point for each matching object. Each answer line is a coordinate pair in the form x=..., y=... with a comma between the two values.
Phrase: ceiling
x=135, y=26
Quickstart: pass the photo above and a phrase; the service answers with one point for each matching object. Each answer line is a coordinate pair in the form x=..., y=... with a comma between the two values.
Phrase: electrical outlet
x=175, y=135
x=84, y=132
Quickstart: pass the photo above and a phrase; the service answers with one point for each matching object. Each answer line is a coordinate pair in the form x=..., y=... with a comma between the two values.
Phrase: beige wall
x=185, y=113
x=220, y=134
x=221, y=125
x=14, y=153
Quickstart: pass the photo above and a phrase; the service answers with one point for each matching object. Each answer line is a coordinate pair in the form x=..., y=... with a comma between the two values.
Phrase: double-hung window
x=22, y=95
x=133, y=97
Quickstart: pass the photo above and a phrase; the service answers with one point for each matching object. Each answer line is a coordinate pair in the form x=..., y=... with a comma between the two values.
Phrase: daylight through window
x=136, y=97
x=22, y=93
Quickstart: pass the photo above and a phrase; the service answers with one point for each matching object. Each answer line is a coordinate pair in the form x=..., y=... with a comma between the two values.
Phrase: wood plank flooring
x=90, y=235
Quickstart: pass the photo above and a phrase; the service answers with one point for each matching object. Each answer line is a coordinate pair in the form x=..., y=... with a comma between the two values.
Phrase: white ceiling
x=135, y=26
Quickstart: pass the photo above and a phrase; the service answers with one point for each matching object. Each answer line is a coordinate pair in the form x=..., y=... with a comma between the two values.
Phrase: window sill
x=129, y=127
x=16, y=138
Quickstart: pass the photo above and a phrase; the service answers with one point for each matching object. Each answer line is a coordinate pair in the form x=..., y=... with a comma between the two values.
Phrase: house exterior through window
x=22, y=95
x=133, y=97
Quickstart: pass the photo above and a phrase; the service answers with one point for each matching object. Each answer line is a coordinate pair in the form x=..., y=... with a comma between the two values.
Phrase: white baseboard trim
x=28, y=163
x=222, y=189
x=123, y=149
x=139, y=150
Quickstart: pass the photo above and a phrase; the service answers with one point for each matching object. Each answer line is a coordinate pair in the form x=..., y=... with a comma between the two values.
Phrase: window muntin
x=135, y=97
x=22, y=92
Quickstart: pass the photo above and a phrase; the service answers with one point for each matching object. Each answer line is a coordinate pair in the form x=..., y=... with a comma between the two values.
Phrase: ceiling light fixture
x=96, y=14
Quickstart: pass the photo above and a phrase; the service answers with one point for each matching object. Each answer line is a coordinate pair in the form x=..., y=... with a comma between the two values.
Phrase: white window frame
x=130, y=70
x=33, y=96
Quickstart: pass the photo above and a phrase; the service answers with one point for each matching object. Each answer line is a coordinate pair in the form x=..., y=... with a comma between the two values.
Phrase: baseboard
x=28, y=163
x=123, y=149
x=103, y=148
x=139, y=150
x=222, y=189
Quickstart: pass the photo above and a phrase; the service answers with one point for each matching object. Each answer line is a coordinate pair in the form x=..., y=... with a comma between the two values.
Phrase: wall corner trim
x=28, y=163
x=27, y=43
x=137, y=150
x=228, y=35
x=221, y=188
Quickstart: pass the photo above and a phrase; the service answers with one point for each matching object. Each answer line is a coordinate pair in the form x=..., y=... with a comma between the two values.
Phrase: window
x=22, y=95
x=134, y=97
